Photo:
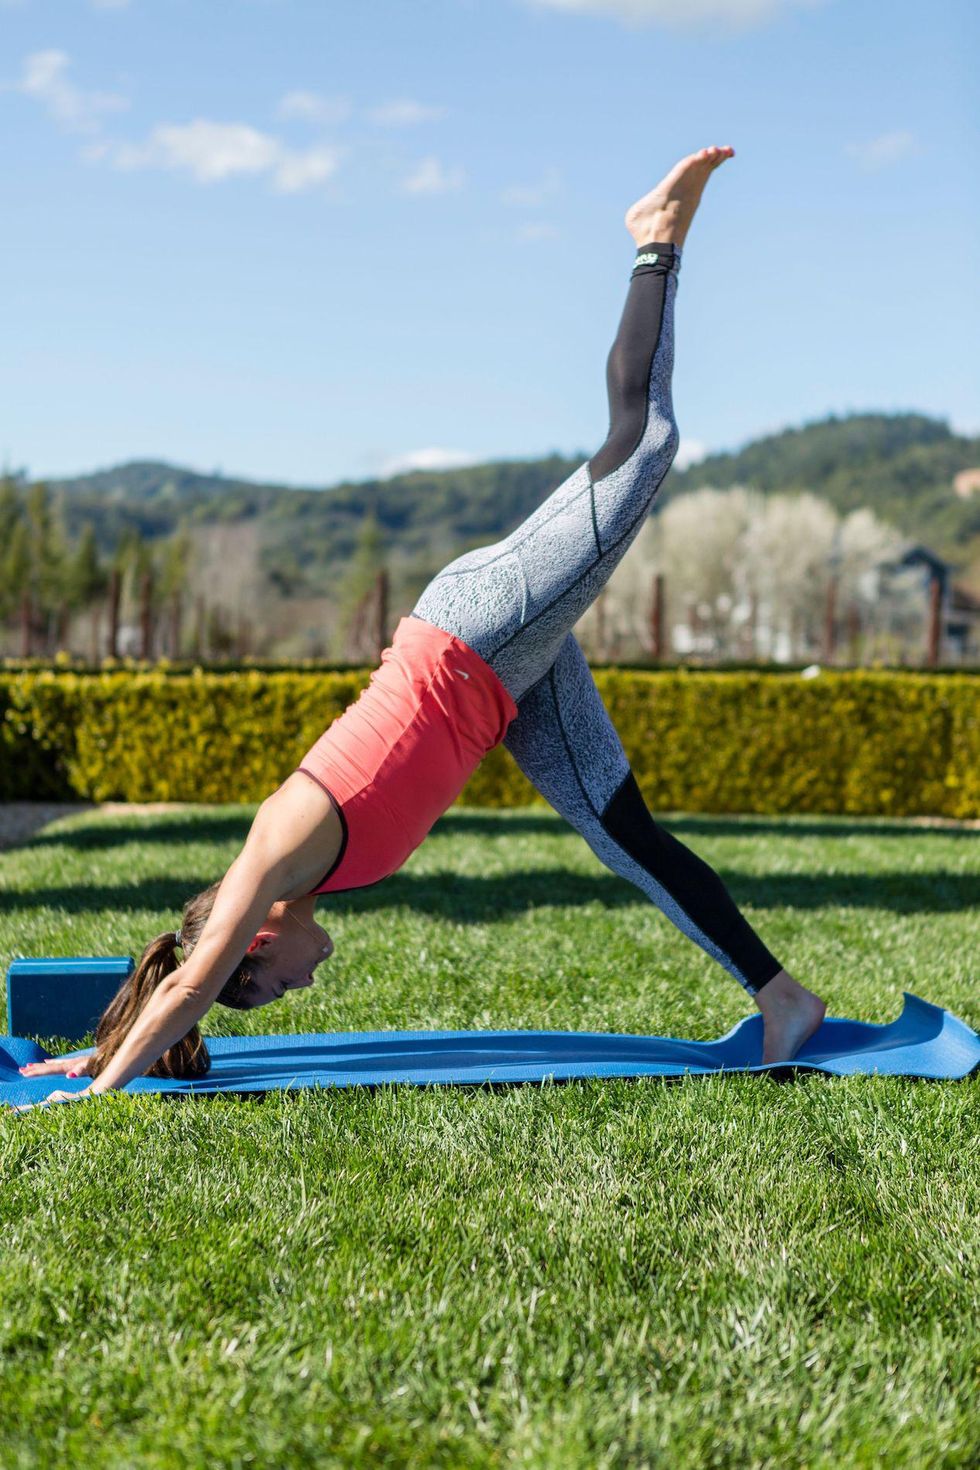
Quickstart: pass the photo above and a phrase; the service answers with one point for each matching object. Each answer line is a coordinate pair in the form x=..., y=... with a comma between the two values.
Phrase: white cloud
x=297, y=171
x=886, y=149
x=404, y=113
x=690, y=451
x=428, y=459
x=432, y=177
x=208, y=151
x=530, y=196
x=44, y=78
x=537, y=230
x=686, y=13
x=312, y=107
x=213, y=151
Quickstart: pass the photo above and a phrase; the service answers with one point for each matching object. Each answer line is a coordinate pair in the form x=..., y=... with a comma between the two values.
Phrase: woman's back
x=402, y=752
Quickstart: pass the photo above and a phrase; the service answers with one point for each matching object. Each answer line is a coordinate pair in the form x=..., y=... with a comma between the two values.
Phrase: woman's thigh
x=488, y=597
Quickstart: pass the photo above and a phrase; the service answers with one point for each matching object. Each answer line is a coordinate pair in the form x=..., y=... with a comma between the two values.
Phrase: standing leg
x=565, y=743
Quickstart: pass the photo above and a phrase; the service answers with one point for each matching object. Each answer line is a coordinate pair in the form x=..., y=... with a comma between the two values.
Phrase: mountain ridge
x=901, y=466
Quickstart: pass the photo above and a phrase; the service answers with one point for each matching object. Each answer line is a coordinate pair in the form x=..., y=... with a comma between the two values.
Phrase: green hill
x=901, y=466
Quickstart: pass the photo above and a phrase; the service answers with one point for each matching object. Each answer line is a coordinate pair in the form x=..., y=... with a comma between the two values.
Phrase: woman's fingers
x=59, y=1066
x=52, y=1097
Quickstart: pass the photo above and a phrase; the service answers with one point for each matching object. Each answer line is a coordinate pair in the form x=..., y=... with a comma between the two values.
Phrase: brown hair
x=188, y=1057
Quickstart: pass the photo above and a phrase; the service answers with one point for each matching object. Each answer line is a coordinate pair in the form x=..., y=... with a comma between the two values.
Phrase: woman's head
x=281, y=957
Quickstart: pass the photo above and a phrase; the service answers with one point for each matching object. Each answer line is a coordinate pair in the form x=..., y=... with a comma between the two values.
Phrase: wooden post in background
x=830, y=621
x=26, y=625
x=853, y=633
x=200, y=628
x=146, y=615
x=657, y=640
x=175, y=612
x=115, y=591
x=382, y=628
x=935, y=640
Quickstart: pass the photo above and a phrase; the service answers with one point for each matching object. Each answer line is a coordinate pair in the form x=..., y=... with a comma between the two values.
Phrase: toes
x=712, y=156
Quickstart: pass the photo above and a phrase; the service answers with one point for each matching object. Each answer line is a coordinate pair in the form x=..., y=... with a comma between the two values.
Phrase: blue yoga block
x=62, y=997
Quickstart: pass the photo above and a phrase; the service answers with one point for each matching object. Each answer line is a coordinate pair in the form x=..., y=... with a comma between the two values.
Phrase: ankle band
x=657, y=257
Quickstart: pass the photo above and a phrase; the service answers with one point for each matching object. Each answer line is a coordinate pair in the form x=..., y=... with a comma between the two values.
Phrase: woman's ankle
x=780, y=991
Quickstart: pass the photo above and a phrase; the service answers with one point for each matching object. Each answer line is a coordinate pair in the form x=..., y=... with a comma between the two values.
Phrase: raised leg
x=515, y=601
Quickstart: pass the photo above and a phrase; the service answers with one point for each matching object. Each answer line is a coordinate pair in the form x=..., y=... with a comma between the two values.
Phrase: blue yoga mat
x=925, y=1041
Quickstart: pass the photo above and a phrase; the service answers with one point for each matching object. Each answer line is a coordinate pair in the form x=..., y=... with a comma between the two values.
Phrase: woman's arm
x=259, y=876
x=294, y=837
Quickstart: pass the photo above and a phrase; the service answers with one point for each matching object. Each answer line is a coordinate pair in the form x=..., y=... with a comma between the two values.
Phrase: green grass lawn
x=721, y=1271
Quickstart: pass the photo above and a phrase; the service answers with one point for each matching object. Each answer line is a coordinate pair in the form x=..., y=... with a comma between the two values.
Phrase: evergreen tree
x=361, y=576
x=86, y=579
x=13, y=547
x=132, y=558
x=48, y=554
x=176, y=561
x=15, y=574
x=11, y=509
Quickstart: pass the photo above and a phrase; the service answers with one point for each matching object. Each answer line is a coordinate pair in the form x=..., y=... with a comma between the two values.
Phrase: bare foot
x=791, y=1014
x=665, y=213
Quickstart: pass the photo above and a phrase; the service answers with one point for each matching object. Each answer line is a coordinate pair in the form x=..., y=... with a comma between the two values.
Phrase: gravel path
x=22, y=820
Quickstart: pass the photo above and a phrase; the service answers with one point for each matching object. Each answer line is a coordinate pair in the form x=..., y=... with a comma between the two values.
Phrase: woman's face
x=291, y=946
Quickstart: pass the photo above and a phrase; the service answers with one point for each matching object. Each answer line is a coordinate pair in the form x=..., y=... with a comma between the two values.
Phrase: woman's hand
x=59, y=1067
x=53, y=1097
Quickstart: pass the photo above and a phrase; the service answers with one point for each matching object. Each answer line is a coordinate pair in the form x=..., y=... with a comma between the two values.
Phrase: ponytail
x=188, y=1057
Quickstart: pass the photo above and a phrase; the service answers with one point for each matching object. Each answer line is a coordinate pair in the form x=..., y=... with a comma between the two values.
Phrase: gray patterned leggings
x=515, y=604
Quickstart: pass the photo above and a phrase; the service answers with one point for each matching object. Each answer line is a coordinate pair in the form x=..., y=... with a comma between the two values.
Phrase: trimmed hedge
x=867, y=743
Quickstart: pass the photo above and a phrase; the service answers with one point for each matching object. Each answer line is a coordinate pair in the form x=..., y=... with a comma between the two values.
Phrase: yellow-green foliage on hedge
x=154, y=737
x=890, y=744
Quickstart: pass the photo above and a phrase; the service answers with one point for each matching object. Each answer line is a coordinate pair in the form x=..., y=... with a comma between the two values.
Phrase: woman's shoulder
x=309, y=827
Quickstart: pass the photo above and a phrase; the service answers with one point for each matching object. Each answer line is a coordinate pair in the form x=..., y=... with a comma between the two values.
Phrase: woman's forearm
x=168, y=1015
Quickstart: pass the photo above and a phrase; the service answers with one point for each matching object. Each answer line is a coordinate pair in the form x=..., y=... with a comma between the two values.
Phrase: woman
x=486, y=656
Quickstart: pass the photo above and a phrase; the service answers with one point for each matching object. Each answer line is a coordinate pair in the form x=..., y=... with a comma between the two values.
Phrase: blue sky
x=304, y=241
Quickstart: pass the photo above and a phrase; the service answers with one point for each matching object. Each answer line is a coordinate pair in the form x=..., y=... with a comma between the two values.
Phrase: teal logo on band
x=646, y=259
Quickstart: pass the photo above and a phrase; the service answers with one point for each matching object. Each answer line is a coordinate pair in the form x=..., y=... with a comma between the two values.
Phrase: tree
x=177, y=561
x=49, y=552
x=14, y=553
x=87, y=578
x=11, y=509
x=16, y=570
x=356, y=587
